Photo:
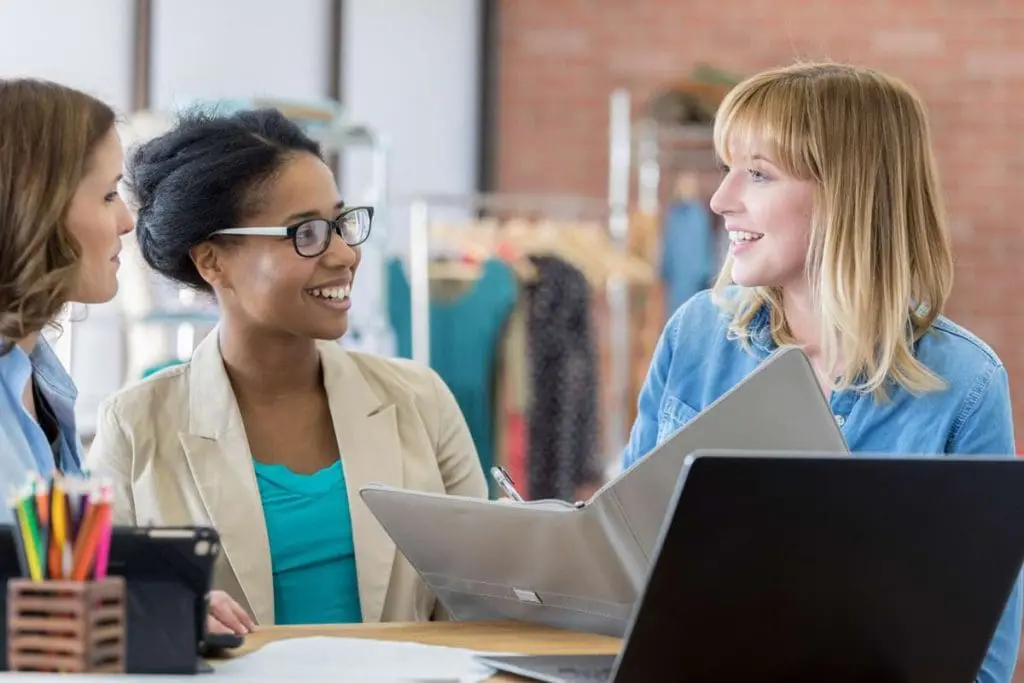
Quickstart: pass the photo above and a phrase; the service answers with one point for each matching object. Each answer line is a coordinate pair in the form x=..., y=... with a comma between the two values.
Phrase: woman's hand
x=227, y=616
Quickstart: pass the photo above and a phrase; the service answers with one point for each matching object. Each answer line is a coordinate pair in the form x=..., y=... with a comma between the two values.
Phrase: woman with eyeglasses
x=271, y=428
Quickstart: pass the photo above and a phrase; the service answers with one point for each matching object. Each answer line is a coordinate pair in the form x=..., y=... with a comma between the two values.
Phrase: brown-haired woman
x=61, y=222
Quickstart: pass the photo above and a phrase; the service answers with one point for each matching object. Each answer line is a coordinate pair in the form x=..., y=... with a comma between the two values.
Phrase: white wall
x=409, y=68
x=239, y=48
x=84, y=44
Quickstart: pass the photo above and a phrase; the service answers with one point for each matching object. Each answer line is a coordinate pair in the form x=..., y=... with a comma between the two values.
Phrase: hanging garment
x=562, y=418
x=465, y=332
x=512, y=393
x=688, y=254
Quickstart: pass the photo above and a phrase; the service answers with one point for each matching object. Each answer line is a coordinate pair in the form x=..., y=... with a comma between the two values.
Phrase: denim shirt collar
x=760, y=331
x=51, y=375
x=760, y=334
x=55, y=384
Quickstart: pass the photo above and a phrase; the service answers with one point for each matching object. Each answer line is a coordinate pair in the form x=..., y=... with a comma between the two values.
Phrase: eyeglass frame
x=292, y=230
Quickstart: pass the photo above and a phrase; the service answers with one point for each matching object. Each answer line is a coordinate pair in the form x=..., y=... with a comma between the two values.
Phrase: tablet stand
x=163, y=633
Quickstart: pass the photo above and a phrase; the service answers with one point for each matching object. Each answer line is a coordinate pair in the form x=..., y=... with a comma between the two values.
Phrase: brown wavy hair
x=48, y=133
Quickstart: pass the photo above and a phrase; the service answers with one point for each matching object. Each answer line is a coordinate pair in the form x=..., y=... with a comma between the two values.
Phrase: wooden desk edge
x=491, y=636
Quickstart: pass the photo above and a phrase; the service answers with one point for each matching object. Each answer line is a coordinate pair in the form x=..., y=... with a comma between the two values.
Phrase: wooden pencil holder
x=66, y=626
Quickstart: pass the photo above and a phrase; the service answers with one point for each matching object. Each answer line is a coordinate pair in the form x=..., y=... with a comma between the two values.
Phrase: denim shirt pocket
x=674, y=414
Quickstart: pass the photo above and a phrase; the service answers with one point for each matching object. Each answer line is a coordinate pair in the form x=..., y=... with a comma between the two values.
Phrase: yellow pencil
x=59, y=526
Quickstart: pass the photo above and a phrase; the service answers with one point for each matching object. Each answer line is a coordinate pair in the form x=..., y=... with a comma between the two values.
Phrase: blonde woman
x=839, y=245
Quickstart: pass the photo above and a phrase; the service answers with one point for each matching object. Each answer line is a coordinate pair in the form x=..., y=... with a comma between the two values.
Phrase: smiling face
x=768, y=215
x=97, y=217
x=261, y=281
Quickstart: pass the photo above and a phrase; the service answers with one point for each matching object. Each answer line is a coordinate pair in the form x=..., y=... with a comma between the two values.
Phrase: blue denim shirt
x=24, y=449
x=695, y=362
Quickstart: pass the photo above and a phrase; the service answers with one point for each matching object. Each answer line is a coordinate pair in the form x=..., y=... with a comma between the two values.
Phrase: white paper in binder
x=582, y=567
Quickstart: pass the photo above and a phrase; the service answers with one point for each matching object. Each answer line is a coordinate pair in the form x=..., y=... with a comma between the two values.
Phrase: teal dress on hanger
x=465, y=331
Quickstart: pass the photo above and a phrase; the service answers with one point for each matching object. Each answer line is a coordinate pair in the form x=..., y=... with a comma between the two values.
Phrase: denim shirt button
x=840, y=420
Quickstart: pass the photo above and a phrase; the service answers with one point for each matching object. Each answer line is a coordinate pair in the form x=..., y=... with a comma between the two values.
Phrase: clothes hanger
x=549, y=238
x=687, y=186
x=585, y=246
x=453, y=256
x=592, y=238
x=468, y=245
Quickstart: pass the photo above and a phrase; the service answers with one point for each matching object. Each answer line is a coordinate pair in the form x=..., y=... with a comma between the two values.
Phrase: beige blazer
x=175, y=448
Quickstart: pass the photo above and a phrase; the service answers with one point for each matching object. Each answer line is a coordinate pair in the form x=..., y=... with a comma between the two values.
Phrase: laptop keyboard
x=557, y=668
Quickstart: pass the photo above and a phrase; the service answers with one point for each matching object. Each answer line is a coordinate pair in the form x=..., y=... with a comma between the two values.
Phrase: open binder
x=583, y=566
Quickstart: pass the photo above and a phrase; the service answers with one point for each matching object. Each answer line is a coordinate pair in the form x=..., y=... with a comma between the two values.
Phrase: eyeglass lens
x=313, y=236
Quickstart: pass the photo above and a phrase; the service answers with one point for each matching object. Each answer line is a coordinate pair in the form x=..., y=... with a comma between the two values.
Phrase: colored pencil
x=63, y=528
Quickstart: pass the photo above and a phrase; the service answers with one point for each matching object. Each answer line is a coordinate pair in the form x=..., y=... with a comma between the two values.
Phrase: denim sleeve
x=1001, y=657
x=987, y=429
x=985, y=426
x=644, y=435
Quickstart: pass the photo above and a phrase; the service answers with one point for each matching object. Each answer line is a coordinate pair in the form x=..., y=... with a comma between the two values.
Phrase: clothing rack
x=529, y=206
x=661, y=146
x=640, y=151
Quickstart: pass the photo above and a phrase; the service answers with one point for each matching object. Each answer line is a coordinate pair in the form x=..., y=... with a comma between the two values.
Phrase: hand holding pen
x=505, y=483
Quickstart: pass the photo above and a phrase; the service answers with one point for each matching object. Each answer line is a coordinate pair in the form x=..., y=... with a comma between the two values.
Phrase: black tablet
x=9, y=569
x=168, y=575
x=183, y=556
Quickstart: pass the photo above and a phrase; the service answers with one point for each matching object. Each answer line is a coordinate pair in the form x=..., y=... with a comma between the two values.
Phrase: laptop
x=800, y=568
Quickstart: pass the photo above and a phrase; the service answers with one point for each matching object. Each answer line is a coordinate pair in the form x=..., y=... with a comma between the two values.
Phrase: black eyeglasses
x=312, y=237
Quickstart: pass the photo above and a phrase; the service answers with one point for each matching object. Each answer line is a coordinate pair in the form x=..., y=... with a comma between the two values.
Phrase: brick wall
x=560, y=59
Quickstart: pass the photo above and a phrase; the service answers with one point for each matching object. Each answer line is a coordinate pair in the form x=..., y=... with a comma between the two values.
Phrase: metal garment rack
x=644, y=148
x=552, y=207
x=561, y=207
x=632, y=145
x=681, y=147
x=615, y=209
x=663, y=148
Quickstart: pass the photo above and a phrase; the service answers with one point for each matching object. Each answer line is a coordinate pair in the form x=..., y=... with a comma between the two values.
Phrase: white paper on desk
x=316, y=659
x=337, y=660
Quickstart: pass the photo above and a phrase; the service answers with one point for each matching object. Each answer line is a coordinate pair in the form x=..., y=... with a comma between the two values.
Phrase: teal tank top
x=311, y=550
x=465, y=332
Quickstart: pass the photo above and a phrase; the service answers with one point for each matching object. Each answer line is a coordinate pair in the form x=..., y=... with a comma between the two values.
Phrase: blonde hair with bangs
x=879, y=262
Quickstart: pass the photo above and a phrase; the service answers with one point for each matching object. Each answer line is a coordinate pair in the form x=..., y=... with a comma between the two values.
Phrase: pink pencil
x=103, y=543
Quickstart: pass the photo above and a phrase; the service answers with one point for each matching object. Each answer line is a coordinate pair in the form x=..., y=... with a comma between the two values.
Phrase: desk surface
x=486, y=636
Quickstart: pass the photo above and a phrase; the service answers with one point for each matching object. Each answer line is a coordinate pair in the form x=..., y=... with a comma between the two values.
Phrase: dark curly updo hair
x=203, y=176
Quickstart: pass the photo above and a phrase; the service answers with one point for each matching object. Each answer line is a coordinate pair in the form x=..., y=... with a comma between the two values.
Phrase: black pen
x=505, y=483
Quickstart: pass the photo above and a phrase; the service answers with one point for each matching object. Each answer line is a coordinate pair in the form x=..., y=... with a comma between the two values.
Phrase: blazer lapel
x=218, y=455
x=368, y=439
